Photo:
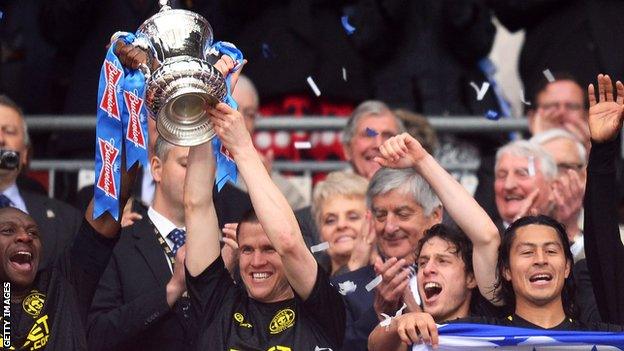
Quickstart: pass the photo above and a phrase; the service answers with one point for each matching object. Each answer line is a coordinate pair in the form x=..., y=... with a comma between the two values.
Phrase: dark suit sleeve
x=358, y=330
x=113, y=321
x=603, y=248
x=585, y=300
x=84, y=262
x=468, y=29
x=519, y=14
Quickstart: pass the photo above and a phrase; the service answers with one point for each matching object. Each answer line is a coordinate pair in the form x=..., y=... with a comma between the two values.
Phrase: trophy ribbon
x=121, y=119
x=226, y=167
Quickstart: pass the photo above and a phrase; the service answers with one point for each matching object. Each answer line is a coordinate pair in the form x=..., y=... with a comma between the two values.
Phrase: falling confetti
x=531, y=166
x=345, y=24
x=373, y=283
x=303, y=145
x=320, y=247
x=480, y=92
x=344, y=74
x=312, y=85
x=548, y=74
x=266, y=51
x=522, y=99
x=371, y=132
x=492, y=115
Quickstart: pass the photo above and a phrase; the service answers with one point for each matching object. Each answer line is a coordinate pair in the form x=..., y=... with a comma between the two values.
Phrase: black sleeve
x=468, y=29
x=84, y=262
x=519, y=14
x=603, y=248
x=112, y=322
x=326, y=307
x=208, y=290
x=585, y=299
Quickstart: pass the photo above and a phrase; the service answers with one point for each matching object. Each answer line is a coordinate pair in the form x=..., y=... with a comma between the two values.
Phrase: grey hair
x=339, y=183
x=245, y=83
x=162, y=148
x=408, y=182
x=368, y=108
x=526, y=148
x=558, y=133
x=8, y=102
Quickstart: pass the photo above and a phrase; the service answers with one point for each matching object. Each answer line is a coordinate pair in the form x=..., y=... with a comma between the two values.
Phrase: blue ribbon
x=489, y=69
x=226, y=167
x=121, y=117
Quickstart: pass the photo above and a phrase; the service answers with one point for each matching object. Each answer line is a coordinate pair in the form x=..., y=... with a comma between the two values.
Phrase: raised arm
x=202, y=227
x=603, y=248
x=403, y=151
x=275, y=215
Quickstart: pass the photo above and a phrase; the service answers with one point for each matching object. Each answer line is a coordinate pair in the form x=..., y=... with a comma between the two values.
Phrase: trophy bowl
x=179, y=92
x=184, y=84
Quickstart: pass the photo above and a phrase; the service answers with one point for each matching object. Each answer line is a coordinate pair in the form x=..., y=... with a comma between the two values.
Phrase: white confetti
x=531, y=166
x=480, y=92
x=320, y=247
x=344, y=74
x=548, y=74
x=373, y=283
x=346, y=287
x=522, y=99
x=312, y=85
x=303, y=145
x=388, y=319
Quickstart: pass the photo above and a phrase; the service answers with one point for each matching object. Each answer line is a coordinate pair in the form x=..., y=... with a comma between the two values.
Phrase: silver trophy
x=184, y=84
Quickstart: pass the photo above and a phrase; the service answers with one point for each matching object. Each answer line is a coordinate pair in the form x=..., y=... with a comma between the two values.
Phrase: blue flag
x=469, y=336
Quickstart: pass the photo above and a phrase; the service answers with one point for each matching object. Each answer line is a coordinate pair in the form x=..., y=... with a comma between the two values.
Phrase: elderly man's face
x=566, y=155
x=12, y=134
x=400, y=223
x=364, y=145
x=563, y=102
x=516, y=178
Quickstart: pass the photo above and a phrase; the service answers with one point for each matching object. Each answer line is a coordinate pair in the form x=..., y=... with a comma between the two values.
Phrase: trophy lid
x=177, y=32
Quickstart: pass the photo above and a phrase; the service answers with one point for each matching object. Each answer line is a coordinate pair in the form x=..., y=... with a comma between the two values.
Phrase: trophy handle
x=145, y=70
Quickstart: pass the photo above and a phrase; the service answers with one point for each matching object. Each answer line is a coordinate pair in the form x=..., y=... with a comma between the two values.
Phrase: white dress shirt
x=164, y=226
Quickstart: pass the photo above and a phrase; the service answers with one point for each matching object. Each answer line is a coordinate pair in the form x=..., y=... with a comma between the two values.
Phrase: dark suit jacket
x=58, y=223
x=361, y=316
x=130, y=310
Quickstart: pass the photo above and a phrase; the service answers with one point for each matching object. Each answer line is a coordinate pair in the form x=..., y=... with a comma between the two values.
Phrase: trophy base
x=183, y=120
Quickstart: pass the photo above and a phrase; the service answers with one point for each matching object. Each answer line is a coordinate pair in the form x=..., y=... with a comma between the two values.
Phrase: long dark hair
x=505, y=291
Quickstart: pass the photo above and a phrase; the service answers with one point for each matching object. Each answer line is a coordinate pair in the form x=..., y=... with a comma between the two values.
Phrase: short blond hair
x=338, y=183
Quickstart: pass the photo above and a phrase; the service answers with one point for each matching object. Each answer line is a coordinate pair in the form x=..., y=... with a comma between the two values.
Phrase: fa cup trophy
x=184, y=83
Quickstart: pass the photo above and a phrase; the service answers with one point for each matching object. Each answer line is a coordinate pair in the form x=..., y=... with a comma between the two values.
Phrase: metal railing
x=455, y=124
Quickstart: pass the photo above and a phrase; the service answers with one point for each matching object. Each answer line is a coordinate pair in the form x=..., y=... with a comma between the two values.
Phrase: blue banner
x=121, y=119
x=468, y=336
x=226, y=168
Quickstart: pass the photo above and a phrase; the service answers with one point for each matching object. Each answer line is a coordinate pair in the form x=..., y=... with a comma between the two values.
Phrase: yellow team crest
x=33, y=303
x=283, y=320
x=241, y=320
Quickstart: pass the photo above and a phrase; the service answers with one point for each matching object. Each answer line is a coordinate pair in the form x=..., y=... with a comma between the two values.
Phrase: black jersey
x=230, y=320
x=53, y=315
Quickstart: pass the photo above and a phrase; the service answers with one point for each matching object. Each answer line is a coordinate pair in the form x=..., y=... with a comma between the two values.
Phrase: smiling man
x=370, y=124
x=48, y=307
x=523, y=176
x=285, y=301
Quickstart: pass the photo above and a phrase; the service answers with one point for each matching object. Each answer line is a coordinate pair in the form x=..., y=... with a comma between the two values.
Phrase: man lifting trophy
x=162, y=71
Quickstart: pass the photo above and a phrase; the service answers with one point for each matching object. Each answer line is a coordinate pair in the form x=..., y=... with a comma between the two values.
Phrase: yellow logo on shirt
x=33, y=303
x=241, y=320
x=279, y=348
x=38, y=335
x=283, y=320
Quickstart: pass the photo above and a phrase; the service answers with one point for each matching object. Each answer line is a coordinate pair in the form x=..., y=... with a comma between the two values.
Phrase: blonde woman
x=339, y=210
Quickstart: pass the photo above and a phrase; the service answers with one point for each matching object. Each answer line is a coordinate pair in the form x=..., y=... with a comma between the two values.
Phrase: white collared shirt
x=13, y=194
x=164, y=226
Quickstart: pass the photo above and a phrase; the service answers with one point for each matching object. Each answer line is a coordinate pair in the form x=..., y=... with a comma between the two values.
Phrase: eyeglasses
x=564, y=166
x=570, y=106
